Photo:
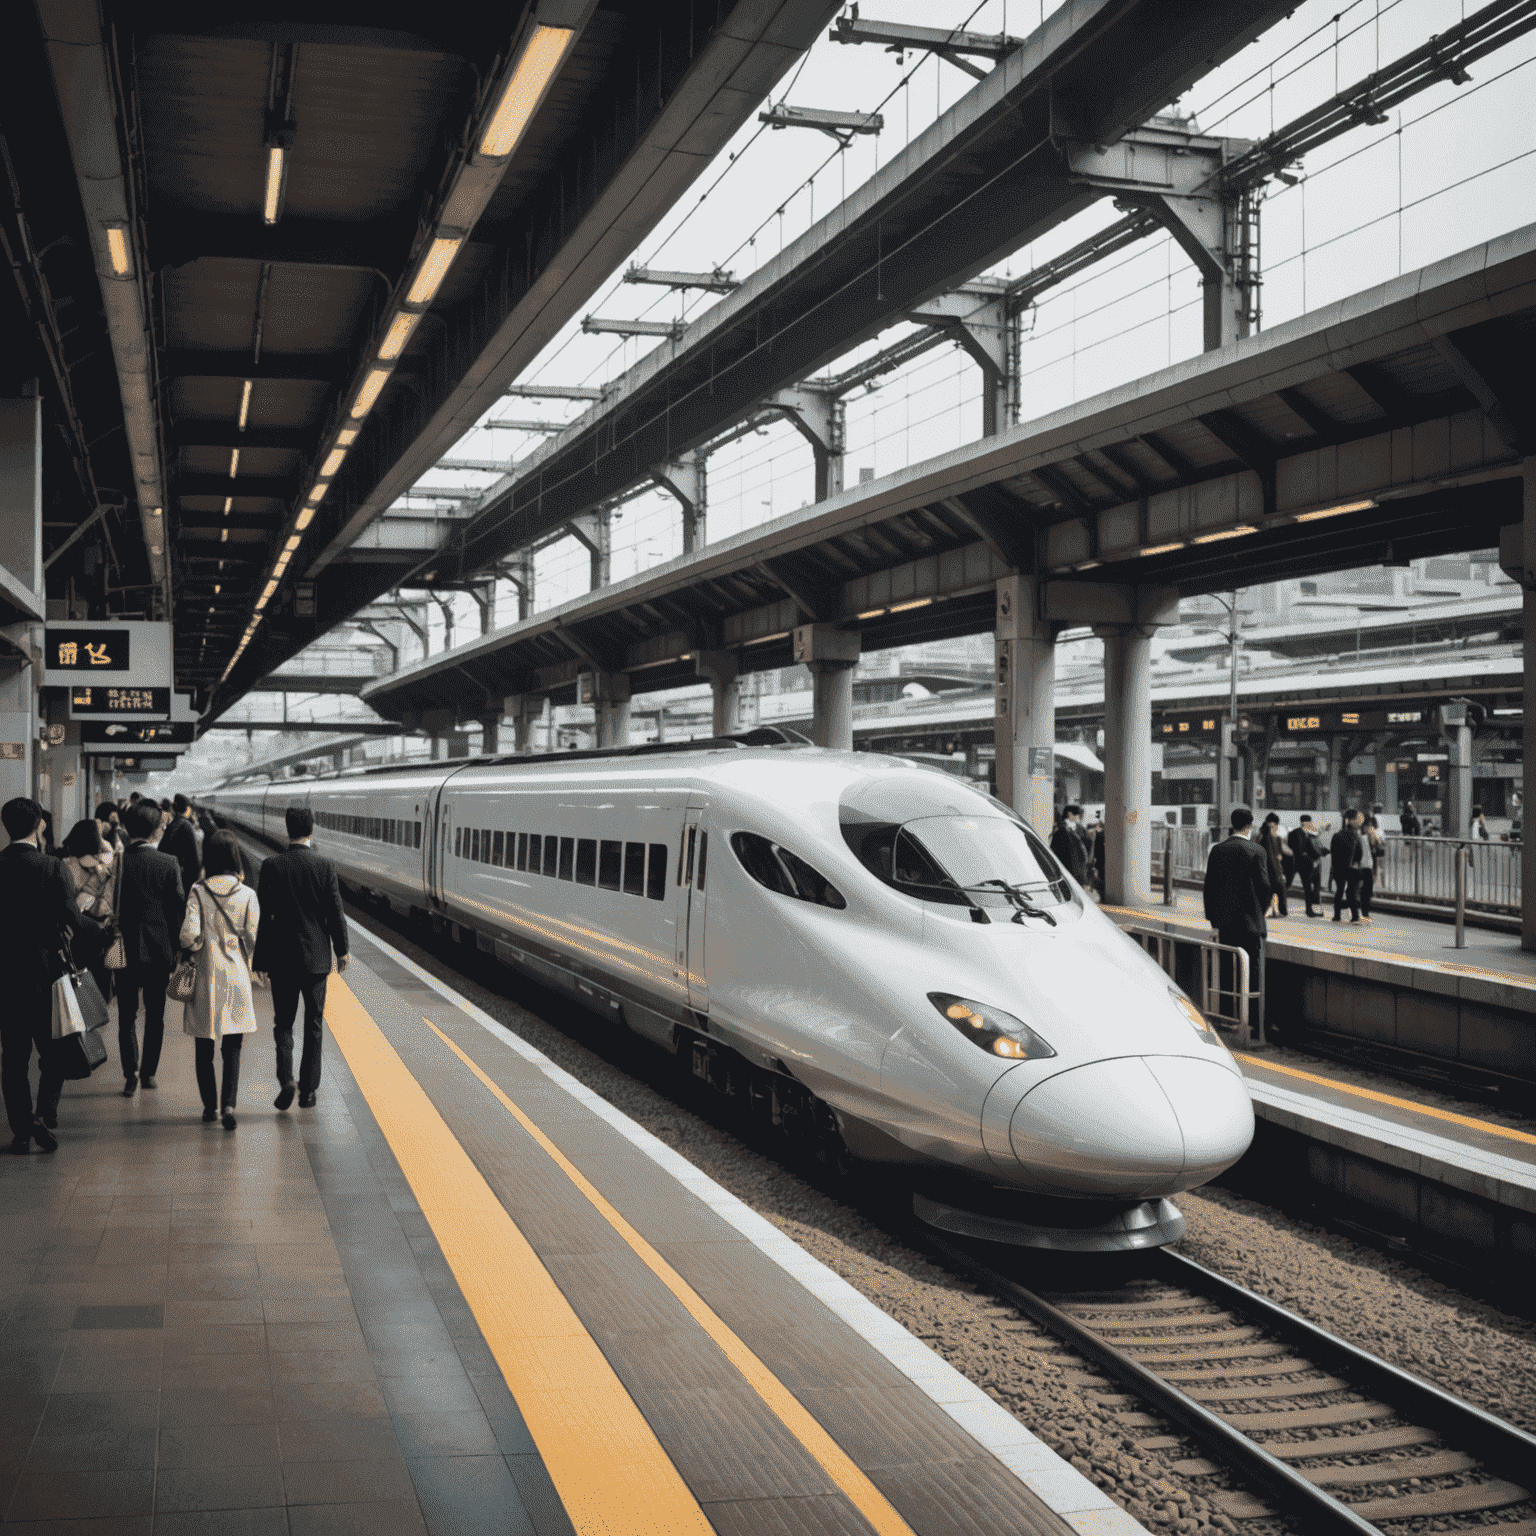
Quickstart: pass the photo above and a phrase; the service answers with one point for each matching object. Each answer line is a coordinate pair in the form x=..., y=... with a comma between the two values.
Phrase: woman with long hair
x=92, y=865
x=220, y=931
x=1372, y=868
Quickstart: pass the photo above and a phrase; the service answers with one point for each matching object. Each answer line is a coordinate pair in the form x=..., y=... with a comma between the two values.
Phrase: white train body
x=642, y=904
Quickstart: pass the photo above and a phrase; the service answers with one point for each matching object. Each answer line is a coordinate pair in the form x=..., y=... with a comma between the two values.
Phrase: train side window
x=418, y=834
x=685, y=866
x=586, y=861
x=474, y=845
x=703, y=854
x=551, y=855
x=485, y=846
x=522, y=850
x=458, y=840
x=567, y=858
x=609, y=865
x=656, y=873
x=634, y=869
x=535, y=854
x=497, y=844
x=783, y=872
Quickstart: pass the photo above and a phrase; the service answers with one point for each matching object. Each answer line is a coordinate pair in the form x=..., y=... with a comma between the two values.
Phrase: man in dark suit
x=1347, y=851
x=1238, y=884
x=37, y=908
x=1308, y=853
x=179, y=839
x=1068, y=845
x=151, y=907
x=301, y=923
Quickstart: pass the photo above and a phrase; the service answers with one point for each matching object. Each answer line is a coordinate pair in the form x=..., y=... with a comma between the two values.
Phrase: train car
x=859, y=950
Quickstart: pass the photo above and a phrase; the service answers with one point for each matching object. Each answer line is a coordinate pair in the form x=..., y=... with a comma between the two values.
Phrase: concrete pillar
x=819, y=418
x=18, y=728
x=21, y=574
x=722, y=668
x=1527, y=580
x=1128, y=766
x=685, y=478
x=523, y=710
x=1024, y=728
x=594, y=529
x=1458, y=817
x=831, y=654
x=1335, y=775
x=490, y=731
x=609, y=699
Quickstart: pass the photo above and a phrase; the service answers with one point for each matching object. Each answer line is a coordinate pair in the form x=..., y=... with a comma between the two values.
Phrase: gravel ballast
x=1371, y=1299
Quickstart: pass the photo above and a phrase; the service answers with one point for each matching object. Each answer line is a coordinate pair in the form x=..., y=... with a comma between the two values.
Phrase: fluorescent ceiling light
x=1349, y=506
x=346, y=437
x=1224, y=533
x=223, y=535
x=217, y=588
x=229, y=502
x=1163, y=549
x=269, y=589
x=535, y=68
x=292, y=544
x=368, y=395
x=234, y=462
x=430, y=275
x=274, y=184
x=317, y=492
x=921, y=602
x=245, y=403
x=306, y=517
x=333, y=462
x=870, y=613
x=117, y=250
x=398, y=334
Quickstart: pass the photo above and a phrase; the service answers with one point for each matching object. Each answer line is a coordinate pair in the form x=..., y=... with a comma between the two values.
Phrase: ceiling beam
x=227, y=434
x=317, y=367
x=182, y=238
x=265, y=487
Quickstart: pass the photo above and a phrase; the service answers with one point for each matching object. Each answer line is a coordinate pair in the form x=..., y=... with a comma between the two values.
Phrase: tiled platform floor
x=249, y=1333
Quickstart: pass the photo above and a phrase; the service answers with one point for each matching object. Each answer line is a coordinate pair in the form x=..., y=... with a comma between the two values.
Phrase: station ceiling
x=245, y=237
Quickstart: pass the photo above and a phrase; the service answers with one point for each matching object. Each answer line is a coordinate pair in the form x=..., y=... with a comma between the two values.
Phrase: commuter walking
x=220, y=929
x=111, y=826
x=1479, y=825
x=1268, y=839
x=179, y=839
x=150, y=909
x=1409, y=820
x=37, y=915
x=301, y=924
x=1239, y=880
x=92, y=866
x=1345, y=854
x=1068, y=847
x=1307, y=851
x=1373, y=869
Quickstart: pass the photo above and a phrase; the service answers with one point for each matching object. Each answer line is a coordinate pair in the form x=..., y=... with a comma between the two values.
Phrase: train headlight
x=993, y=1030
x=1202, y=1025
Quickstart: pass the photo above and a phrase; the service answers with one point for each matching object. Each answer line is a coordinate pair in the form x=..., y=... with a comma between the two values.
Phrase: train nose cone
x=1105, y=1128
x=1214, y=1112
x=1133, y=1126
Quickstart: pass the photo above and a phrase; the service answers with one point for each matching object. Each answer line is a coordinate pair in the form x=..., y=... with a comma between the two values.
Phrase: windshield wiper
x=1015, y=894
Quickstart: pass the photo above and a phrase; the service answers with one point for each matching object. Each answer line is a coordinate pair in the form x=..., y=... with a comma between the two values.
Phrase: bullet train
x=872, y=956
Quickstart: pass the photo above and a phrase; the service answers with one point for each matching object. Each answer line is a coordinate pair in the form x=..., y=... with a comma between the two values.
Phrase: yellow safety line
x=838, y=1465
x=611, y=1472
x=1386, y=1098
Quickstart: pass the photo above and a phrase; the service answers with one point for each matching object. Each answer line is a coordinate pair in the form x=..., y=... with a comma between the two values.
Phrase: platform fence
x=1215, y=975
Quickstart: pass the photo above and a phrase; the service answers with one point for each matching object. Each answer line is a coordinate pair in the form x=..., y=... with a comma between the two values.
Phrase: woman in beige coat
x=220, y=928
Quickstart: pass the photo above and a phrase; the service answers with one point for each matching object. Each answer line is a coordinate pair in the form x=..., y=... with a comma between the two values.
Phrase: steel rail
x=1502, y=1448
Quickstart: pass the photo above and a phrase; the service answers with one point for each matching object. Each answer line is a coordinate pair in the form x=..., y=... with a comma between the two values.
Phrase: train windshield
x=967, y=861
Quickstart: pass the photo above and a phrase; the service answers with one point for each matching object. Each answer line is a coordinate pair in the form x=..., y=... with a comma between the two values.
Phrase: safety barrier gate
x=1197, y=965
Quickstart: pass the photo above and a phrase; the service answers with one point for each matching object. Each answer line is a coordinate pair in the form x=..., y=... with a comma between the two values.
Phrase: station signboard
x=129, y=652
x=124, y=734
x=93, y=700
x=154, y=763
x=1201, y=725
x=1297, y=722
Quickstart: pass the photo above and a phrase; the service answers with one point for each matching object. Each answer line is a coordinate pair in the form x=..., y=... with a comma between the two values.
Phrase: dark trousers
x=28, y=1022
x=1253, y=946
x=1367, y=890
x=1346, y=893
x=1311, y=884
x=151, y=980
x=287, y=988
x=203, y=1050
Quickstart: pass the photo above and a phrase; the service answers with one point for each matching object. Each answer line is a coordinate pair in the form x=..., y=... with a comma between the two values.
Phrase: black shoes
x=229, y=1117
x=284, y=1096
x=209, y=1116
x=306, y=1101
x=50, y=1118
x=44, y=1137
x=20, y=1145
x=130, y=1087
x=148, y=1081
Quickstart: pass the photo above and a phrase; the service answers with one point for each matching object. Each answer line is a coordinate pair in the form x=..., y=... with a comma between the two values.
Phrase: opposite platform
x=309, y=1325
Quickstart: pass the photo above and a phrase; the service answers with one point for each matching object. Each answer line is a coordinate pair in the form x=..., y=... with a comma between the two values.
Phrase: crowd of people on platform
x=134, y=894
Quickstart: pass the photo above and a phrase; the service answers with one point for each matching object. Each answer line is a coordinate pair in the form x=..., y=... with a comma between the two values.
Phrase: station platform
x=461, y=1295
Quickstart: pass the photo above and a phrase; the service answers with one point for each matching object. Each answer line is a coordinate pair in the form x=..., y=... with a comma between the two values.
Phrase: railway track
x=1327, y=1436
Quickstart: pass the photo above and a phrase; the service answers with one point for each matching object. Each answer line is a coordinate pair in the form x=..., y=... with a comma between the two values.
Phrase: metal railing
x=1227, y=1001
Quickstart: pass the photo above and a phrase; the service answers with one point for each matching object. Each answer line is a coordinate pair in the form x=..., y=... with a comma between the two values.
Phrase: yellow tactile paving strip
x=838, y=1465
x=1485, y=1126
x=607, y=1465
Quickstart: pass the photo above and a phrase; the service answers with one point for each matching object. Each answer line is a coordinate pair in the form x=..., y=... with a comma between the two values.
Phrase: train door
x=692, y=906
x=440, y=848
